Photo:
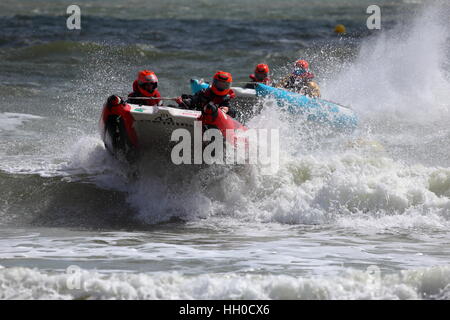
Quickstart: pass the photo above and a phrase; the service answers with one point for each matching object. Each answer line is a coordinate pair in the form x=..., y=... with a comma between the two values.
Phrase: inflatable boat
x=315, y=109
x=131, y=129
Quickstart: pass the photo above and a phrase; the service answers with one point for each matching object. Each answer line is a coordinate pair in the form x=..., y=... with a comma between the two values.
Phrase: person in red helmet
x=300, y=80
x=217, y=95
x=261, y=75
x=145, y=86
x=302, y=64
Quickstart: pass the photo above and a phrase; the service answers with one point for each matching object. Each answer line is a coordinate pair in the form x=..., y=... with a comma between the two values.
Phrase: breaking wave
x=25, y=283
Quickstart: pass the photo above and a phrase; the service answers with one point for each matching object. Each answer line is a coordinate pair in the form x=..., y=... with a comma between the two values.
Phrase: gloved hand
x=210, y=109
x=178, y=100
x=224, y=109
x=226, y=98
x=114, y=101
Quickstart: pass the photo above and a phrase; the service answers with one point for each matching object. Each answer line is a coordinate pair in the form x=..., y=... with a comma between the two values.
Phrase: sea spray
x=400, y=71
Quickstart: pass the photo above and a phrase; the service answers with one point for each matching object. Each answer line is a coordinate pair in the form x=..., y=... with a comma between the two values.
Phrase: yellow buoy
x=340, y=28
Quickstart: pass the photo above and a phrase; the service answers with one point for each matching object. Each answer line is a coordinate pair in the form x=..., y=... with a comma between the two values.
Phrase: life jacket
x=266, y=80
x=207, y=96
x=138, y=92
x=307, y=76
x=297, y=82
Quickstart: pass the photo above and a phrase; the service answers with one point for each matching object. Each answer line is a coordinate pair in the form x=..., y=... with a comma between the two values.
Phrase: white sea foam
x=25, y=283
x=319, y=188
x=11, y=121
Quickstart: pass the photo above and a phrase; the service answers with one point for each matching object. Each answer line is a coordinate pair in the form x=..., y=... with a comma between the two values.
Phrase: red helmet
x=261, y=71
x=147, y=81
x=302, y=64
x=221, y=83
x=262, y=68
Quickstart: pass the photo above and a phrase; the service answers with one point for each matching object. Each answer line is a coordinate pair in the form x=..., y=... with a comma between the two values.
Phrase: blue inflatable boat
x=197, y=85
x=315, y=109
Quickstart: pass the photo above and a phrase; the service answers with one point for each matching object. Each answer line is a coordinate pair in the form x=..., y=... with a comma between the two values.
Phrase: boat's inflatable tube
x=131, y=129
x=315, y=109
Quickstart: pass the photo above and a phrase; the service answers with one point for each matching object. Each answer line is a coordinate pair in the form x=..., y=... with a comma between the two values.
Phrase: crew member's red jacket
x=137, y=92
